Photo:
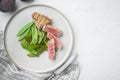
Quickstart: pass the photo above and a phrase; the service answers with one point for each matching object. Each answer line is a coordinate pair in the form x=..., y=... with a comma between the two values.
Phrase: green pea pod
x=26, y=46
x=27, y=26
x=45, y=39
x=24, y=35
x=34, y=35
x=41, y=36
x=39, y=51
x=32, y=55
x=34, y=46
x=28, y=38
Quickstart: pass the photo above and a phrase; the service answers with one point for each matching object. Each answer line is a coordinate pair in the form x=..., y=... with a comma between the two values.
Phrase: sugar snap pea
x=24, y=35
x=32, y=55
x=41, y=36
x=39, y=51
x=34, y=35
x=34, y=46
x=33, y=40
x=26, y=46
x=27, y=26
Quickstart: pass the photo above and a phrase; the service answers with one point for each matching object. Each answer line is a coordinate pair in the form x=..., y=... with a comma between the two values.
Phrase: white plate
x=42, y=63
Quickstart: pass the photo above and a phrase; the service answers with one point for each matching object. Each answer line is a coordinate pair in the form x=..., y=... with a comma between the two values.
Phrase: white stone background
x=96, y=25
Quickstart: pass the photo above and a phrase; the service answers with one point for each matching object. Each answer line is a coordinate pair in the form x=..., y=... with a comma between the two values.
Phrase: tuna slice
x=52, y=30
x=51, y=49
x=57, y=41
x=40, y=20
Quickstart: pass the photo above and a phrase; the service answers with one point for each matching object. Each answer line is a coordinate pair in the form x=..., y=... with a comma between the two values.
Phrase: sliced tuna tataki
x=57, y=41
x=52, y=30
x=51, y=49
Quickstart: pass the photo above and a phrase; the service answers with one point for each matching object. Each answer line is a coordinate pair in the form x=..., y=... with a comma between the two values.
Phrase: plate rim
x=60, y=63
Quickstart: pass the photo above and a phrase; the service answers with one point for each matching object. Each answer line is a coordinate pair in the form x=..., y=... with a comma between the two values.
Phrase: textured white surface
x=96, y=26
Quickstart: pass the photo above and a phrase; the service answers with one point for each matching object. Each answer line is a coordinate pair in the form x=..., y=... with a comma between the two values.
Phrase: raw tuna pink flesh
x=53, y=30
x=57, y=41
x=51, y=49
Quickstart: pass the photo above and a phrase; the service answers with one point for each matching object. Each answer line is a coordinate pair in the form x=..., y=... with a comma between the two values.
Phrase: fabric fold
x=9, y=71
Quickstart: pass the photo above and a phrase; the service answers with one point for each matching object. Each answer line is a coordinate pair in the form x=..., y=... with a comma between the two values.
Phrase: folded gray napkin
x=8, y=71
